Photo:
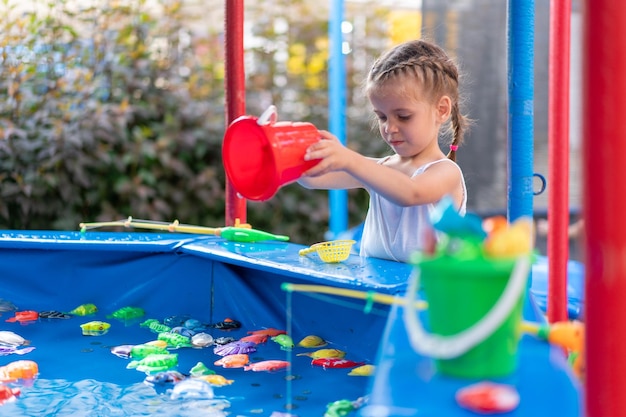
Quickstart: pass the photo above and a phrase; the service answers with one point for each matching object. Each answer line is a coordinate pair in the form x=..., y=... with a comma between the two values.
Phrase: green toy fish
x=285, y=341
x=155, y=363
x=174, y=339
x=144, y=350
x=155, y=326
x=127, y=313
x=84, y=310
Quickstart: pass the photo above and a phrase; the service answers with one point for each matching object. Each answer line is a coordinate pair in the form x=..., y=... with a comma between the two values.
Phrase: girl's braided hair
x=433, y=70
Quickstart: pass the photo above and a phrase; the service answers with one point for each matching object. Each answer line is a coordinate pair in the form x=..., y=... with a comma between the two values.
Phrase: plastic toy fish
x=270, y=365
x=6, y=305
x=24, y=317
x=285, y=341
x=8, y=394
x=488, y=398
x=238, y=360
x=192, y=388
x=52, y=314
x=363, y=370
x=155, y=326
x=122, y=351
x=268, y=332
x=223, y=340
x=84, y=310
x=175, y=340
x=127, y=313
x=183, y=331
x=159, y=343
x=342, y=408
x=12, y=339
x=312, y=341
x=141, y=351
x=174, y=321
x=200, y=369
x=257, y=339
x=164, y=378
x=201, y=340
x=335, y=363
x=195, y=325
x=95, y=328
x=8, y=350
x=154, y=363
x=324, y=353
x=234, y=348
x=446, y=218
x=19, y=370
x=227, y=324
x=511, y=241
x=216, y=380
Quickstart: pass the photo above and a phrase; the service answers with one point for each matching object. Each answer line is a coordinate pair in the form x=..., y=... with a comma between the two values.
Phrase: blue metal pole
x=520, y=50
x=520, y=43
x=336, y=106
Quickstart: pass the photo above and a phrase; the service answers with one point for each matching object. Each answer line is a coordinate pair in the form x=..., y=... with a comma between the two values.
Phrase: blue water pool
x=204, y=278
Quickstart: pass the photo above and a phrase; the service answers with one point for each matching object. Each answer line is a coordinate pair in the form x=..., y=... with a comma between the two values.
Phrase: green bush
x=119, y=110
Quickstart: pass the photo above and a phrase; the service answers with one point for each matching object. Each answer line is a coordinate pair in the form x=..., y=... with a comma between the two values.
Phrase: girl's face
x=409, y=123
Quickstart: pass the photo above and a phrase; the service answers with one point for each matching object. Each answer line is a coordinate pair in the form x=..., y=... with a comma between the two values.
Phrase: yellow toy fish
x=324, y=353
x=215, y=380
x=95, y=328
x=84, y=310
x=312, y=341
x=512, y=241
x=363, y=370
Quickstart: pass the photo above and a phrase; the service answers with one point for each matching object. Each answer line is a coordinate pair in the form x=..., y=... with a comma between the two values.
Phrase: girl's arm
x=341, y=167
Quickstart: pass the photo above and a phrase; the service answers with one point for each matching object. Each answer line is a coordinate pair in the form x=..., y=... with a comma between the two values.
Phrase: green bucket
x=474, y=313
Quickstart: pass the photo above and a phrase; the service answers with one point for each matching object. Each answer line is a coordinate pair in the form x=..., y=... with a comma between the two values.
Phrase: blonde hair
x=435, y=72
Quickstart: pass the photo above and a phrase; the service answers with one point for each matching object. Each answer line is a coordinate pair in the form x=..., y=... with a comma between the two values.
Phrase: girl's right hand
x=333, y=155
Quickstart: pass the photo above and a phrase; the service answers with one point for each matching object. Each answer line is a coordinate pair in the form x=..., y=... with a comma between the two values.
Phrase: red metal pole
x=235, y=95
x=558, y=158
x=604, y=147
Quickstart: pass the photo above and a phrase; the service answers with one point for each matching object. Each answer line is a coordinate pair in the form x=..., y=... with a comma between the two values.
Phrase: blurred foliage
x=118, y=110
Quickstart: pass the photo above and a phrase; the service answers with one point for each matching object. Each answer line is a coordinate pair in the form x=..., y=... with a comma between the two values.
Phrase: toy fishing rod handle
x=448, y=347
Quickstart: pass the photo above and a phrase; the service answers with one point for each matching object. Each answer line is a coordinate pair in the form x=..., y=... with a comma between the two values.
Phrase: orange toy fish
x=237, y=360
x=270, y=365
x=24, y=316
x=23, y=369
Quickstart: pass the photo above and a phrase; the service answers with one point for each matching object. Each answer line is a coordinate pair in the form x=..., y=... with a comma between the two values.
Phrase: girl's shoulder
x=427, y=165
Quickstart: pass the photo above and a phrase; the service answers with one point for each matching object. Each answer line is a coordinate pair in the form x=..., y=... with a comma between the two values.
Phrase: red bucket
x=260, y=155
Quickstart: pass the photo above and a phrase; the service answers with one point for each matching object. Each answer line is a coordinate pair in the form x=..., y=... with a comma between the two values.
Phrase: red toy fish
x=271, y=365
x=8, y=394
x=258, y=339
x=335, y=363
x=488, y=398
x=268, y=332
x=24, y=316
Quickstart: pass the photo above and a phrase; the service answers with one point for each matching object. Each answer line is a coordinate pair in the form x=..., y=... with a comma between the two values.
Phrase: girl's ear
x=444, y=108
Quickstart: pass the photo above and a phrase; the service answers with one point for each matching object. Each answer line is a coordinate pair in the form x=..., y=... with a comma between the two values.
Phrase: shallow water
x=79, y=376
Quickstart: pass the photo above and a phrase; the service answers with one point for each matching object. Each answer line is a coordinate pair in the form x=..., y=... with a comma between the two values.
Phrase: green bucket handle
x=452, y=346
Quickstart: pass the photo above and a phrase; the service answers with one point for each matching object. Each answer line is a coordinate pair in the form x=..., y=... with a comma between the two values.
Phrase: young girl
x=413, y=90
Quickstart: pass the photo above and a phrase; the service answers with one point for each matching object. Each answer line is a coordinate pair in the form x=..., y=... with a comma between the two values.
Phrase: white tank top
x=394, y=232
